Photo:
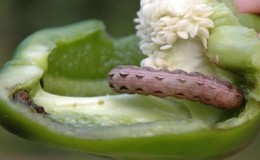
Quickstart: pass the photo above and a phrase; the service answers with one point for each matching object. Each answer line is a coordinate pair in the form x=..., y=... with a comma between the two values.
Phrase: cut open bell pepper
x=64, y=71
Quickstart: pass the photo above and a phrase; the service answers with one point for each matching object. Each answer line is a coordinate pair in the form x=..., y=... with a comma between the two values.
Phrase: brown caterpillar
x=179, y=84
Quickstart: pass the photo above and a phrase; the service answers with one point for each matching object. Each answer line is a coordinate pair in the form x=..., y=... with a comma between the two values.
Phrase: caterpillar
x=193, y=86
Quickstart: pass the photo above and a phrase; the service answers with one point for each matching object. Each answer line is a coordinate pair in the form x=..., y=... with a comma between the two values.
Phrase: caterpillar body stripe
x=179, y=84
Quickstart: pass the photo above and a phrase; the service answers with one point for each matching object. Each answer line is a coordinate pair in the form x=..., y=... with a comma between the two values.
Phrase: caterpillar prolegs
x=179, y=84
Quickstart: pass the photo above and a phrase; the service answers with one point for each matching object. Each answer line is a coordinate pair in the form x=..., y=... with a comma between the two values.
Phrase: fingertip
x=248, y=6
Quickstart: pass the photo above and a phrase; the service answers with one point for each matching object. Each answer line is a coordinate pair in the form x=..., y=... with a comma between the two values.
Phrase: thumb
x=248, y=6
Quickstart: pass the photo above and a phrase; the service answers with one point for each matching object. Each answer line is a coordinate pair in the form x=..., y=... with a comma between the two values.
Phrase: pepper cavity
x=22, y=96
x=179, y=84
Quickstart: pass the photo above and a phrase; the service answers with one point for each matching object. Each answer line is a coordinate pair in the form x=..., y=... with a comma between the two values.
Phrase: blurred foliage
x=15, y=148
x=20, y=18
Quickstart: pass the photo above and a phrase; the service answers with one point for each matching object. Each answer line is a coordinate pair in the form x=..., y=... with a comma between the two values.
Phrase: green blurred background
x=20, y=18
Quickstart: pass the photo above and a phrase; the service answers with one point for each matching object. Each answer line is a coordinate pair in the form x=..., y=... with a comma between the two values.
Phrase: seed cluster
x=160, y=23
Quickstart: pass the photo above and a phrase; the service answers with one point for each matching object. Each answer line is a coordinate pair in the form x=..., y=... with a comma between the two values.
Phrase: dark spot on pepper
x=39, y=109
x=101, y=102
x=21, y=96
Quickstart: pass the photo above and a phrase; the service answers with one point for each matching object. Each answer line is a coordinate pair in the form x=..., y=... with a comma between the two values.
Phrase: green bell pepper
x=64, y=71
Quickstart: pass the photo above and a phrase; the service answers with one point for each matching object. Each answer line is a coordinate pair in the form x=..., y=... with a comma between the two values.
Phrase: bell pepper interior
x=79, y=67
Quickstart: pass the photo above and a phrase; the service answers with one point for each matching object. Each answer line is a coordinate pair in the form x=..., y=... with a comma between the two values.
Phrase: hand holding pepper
x=248, y=6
